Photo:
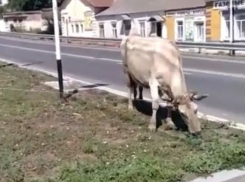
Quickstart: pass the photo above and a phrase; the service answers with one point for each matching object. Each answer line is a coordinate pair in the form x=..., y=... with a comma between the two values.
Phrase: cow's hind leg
x=155, y=104
x=140, y=92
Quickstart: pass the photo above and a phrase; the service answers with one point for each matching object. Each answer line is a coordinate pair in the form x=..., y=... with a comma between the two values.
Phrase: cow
x=155, y=63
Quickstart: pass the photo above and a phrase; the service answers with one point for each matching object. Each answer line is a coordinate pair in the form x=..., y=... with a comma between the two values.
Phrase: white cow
x=156, y=63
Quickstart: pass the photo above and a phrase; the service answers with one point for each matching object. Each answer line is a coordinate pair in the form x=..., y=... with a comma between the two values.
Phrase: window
x=142, y=29
x=199, y=31
x=63, y=19
x=240, y=20
x=69, y=18
x=81, y=27
x=114, y=30
x=227, y=27
x=180, y=30
x=101, y=31
x=72, y=28
x=77, y=28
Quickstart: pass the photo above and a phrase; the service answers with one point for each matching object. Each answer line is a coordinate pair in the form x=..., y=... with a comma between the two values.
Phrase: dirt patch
x=96, y=138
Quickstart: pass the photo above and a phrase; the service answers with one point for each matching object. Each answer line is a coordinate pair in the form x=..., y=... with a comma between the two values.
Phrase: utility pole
x=57, y=48
x=231, y=26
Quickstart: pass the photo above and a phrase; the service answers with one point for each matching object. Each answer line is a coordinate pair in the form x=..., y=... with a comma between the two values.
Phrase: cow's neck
x=178, y=86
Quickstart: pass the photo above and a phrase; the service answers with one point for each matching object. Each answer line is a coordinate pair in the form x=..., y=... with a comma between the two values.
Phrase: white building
x=238, y=19
x=3, y=2
x=3, y=26
x=165, y=18
x=77, y=17
x=145, y=17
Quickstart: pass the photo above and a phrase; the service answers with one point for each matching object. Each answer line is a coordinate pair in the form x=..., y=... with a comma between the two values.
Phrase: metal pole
x=57, y=48
x=231, y=26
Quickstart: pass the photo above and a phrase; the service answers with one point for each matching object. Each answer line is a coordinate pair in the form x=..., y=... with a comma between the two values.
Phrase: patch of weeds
x=96, y=138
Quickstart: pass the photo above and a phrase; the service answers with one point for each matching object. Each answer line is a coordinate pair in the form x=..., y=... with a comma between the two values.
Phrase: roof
x=140, y=6
x=101, y=3
x=94, y=3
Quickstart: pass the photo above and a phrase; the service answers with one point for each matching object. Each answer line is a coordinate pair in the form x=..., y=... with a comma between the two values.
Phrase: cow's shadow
x=145, y=107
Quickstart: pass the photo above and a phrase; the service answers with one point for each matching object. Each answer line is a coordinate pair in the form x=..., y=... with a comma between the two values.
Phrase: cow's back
x=149, y=56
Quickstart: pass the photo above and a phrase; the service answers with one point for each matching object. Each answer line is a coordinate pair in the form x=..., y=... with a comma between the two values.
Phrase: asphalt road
x=223, y=78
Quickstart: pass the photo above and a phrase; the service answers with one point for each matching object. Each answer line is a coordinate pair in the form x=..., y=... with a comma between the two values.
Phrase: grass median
x=96, y=138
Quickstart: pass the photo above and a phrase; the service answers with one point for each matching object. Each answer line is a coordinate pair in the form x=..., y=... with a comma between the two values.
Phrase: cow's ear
x=200, y=97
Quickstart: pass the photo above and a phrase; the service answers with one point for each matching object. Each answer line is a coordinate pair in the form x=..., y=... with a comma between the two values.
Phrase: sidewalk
x=224, y=176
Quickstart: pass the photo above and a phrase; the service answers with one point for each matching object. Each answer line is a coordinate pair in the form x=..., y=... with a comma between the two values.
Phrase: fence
x=199, y=47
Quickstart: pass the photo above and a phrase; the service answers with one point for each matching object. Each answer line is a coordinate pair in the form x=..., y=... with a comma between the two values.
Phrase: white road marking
x=213, y=58
x=119, y=61
x=215, y=73
x=124, y=94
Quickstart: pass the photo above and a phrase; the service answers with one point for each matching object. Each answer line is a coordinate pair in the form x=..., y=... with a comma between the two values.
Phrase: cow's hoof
x=130, y=107
x=170, y=124
x=152, y=128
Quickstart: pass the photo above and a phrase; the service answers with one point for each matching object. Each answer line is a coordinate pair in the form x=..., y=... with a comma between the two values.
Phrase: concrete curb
x=222, y=176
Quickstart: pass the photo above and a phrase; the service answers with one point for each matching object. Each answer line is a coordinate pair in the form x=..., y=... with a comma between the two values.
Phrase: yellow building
x=219, y=20
x=186, y=25
x=209, y=21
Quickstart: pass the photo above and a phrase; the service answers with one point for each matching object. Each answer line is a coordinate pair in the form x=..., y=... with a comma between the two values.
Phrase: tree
x=29, y=5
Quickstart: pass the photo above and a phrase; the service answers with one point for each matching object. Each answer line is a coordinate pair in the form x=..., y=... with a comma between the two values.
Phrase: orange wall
x=213, y=23
x=169, y=20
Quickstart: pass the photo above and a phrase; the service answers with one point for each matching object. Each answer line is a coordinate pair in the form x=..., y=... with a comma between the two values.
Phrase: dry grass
x=95, y=138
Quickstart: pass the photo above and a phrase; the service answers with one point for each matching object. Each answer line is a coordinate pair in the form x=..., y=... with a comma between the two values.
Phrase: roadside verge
x=95, y=138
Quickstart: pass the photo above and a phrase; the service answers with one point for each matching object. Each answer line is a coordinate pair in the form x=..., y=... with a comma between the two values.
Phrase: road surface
x=223, y=78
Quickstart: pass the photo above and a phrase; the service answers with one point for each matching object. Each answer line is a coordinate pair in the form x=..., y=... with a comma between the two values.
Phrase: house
x=78, y=17
x=3, y=27
x=30, y=21
x=218, y=20
x=147, y=17
x=179, y=20
x=186, y=20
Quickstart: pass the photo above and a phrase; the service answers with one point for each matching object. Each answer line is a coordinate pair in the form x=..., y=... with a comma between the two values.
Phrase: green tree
x=28, y=5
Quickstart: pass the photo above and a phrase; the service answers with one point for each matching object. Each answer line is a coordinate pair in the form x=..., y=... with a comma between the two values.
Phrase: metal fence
x=110, y=42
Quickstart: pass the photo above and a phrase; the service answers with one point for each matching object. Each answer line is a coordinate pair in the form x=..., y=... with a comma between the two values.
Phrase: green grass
x=95, y=138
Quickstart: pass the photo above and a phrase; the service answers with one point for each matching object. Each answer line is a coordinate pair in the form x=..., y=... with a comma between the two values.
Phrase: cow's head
x=188, y=110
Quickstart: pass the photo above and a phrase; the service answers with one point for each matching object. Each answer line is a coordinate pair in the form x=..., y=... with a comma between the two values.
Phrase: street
x=223, y=78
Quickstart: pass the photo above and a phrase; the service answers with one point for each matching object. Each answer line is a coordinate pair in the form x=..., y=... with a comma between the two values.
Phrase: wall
x=75, y=13
x=136, y=17
x=213, y=23
x=191, y=19
x=3, y=26
x=27, y=22
x=170, y=27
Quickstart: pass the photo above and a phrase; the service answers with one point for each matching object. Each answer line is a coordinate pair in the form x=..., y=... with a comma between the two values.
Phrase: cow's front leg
x=155, y=105
x=169, y=121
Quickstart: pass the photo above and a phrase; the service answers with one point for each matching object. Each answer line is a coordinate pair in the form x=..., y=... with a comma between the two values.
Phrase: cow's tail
x=125, y=48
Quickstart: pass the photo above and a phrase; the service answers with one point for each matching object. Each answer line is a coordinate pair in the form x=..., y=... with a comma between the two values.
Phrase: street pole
x=57, y=48
x=231, y=26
